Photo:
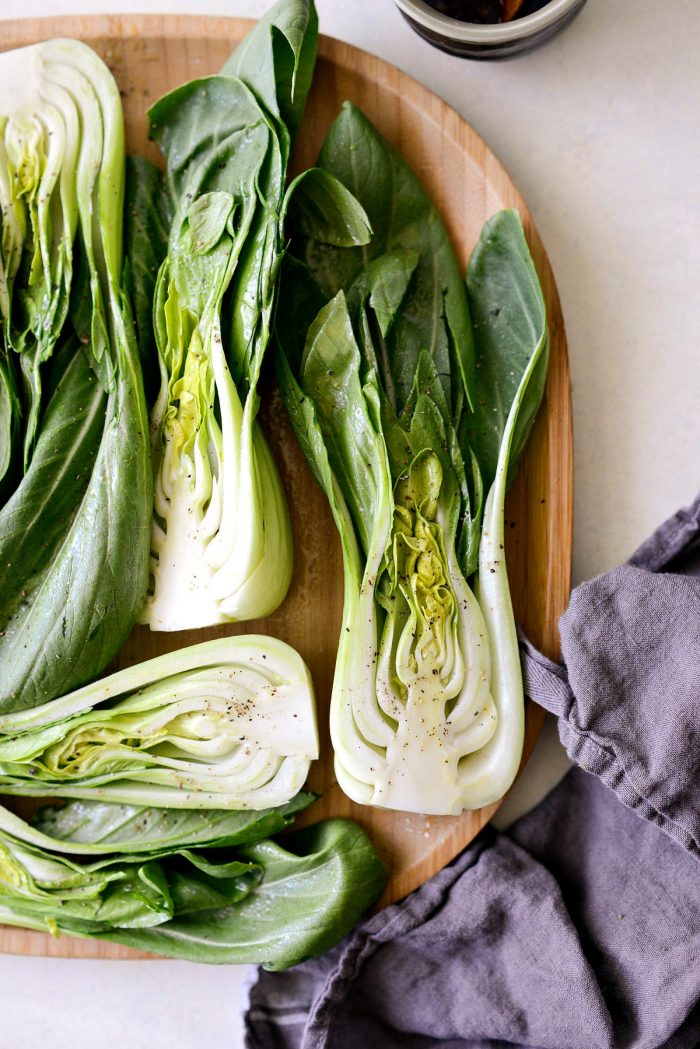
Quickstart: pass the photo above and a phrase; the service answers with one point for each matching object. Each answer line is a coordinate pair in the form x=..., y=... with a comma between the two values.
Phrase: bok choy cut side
x=76, y=491
x=221, y=538
x=378, y=367
x=228, y=724
x=206, y=886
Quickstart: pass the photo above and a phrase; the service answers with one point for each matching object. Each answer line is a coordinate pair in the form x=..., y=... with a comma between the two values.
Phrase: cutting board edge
x=18, y=32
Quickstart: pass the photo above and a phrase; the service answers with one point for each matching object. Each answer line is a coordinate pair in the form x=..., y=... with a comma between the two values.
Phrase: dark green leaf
x=34, y=522
x=298, y=304
x=206, y=886
x=213, y=137
x=330, y=376
x=321, y=207
x=74, y=554
x=383, y=284
x=435, y=316
x=208, y=217
x=469, y=533
x=277, y=58
x=9, y=426
x=147, y=217
x=510, y=321
x=311, y=894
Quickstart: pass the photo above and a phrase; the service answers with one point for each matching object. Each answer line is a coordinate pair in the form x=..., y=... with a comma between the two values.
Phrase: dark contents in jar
x=485, y=11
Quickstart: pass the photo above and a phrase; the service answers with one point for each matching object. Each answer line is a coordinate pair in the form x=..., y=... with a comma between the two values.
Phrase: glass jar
x=496, y=40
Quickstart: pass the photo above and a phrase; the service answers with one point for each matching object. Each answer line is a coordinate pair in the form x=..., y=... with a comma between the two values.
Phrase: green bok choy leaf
x=379, y=366
x=206, y=886
x=221, y=539
x=313, y=890
x=98, y=828
x=74, y=521
x=228, y=724
x=53, y=892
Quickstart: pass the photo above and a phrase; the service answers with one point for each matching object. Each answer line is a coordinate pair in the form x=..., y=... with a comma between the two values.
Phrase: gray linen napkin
x=580, y=926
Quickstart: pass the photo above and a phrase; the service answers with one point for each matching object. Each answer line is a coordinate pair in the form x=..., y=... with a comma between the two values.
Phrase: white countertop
x=599, y=132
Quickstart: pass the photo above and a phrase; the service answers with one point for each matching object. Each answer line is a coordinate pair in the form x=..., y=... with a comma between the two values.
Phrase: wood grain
x=152, y=54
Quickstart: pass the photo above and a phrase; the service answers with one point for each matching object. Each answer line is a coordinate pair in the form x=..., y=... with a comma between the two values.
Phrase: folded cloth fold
x=580, y=926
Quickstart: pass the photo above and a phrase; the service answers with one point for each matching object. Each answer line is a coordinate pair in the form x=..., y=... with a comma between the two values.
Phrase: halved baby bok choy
x=512, y=345
x=381, y=373
x=206, y=886
x=221, y=541
x=228, y=724
x=76, y=486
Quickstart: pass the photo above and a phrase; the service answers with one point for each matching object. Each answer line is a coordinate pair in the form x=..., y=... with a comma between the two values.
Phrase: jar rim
x=473, y=32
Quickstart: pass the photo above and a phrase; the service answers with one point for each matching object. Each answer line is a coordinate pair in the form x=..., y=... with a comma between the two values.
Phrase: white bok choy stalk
x=228, y=724
x=384, y=389
x=221, y=539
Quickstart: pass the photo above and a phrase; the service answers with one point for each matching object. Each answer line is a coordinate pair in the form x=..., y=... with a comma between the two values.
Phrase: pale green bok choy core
x=228, y=724
x=221, y=540
x=75, y=476
x=412, y=400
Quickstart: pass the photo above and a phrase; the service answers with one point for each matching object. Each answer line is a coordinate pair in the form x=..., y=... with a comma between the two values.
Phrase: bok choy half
x=206, y=886
x=221, y=539
x=228, y=724
x=75, y=485
x=412, y=402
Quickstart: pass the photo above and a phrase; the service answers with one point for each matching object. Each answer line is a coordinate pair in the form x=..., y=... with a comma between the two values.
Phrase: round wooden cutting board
x=149, y=55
